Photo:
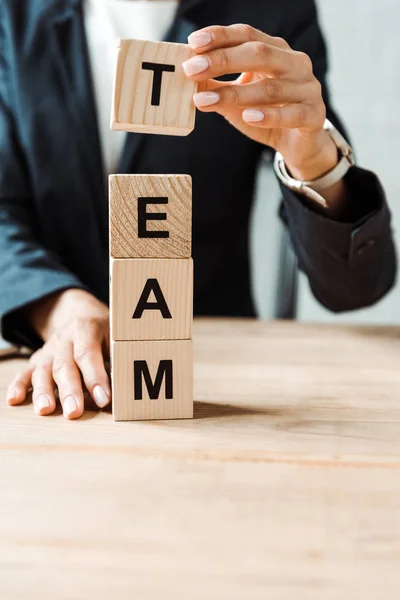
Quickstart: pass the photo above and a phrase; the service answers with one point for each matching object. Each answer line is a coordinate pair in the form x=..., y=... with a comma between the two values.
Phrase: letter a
x=160, y=304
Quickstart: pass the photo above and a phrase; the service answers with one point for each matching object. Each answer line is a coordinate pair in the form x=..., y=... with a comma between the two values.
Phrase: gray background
x=364, y=43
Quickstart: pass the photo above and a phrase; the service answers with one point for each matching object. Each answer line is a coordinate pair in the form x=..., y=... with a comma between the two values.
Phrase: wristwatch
x=312, y=189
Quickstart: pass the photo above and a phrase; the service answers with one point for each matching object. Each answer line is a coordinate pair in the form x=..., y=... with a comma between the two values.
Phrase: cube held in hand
x=151, y=92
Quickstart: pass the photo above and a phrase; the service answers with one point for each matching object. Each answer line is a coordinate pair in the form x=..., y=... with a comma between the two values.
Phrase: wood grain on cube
x=134, y=108
x=172, y=201
x=131, y=397
x=151, y=299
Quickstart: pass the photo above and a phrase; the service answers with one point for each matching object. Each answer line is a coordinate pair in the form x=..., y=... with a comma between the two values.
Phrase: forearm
x=28, y=275
x=349, y=263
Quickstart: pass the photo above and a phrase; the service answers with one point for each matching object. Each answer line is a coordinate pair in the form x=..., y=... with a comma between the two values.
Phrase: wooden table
x=286, y=485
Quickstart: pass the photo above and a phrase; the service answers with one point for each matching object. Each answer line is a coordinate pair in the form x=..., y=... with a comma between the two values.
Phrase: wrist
x=314, y=158
x=321, y=160
x=45, y=312
x=53, y=312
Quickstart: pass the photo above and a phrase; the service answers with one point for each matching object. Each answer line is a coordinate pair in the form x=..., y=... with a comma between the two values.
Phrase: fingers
x=276, y=89
x=19, y=387
x=106, y=343
x=38, y=376
x=43, y=398
x=73, y=353
x=217, y=36
x=88, y=355
x=250, y=56
x=259, y=93
x=292, y=116
x=67, y=377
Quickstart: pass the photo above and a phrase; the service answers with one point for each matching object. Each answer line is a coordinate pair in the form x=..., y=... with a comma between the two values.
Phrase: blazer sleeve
x=27, y=270
x=349, y=263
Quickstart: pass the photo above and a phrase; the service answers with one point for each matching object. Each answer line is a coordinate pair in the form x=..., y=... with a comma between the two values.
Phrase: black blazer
x=53, y=198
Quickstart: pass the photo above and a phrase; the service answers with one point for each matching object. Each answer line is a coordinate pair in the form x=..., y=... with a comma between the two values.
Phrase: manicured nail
x=200, y=39
x=206, y=98
x=100, y=396
x=196, y=65
x=69, y=406
x=11, y=394
x=41, y=401
x=252, y=116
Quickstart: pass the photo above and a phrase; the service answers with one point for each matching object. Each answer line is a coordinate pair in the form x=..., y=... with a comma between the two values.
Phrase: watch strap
x=327, y=180
x=313, y=188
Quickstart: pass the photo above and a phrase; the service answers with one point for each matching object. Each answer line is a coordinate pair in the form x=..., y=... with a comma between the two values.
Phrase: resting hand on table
x=75, y=328
x=276, y=101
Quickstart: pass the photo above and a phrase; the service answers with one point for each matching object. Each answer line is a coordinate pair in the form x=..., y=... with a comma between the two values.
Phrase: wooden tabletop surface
x=286, y=485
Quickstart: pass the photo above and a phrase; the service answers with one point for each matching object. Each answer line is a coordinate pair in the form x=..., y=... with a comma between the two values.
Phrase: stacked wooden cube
x=151, y=269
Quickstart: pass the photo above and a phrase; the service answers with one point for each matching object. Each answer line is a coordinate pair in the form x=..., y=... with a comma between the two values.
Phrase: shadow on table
x=208, y=410
x=377, y=331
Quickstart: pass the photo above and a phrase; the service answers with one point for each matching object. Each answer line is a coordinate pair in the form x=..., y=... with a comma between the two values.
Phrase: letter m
x=141, y=372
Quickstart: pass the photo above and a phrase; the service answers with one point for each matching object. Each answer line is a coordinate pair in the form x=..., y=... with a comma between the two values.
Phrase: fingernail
x=69, y=406
x=252, y=116
x=196, y=65
x=100, y=396
x=206, y=98
x=41, y=401
x=200, y=39
x=11, y=394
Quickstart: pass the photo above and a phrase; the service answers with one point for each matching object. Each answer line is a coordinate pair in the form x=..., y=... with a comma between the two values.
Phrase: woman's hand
x=276, y=100
x=75, y=327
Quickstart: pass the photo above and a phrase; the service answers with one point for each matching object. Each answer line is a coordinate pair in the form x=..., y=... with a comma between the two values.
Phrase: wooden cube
x=152, y=380
x=150, y=216
x=151, y=92
x=151, y=299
